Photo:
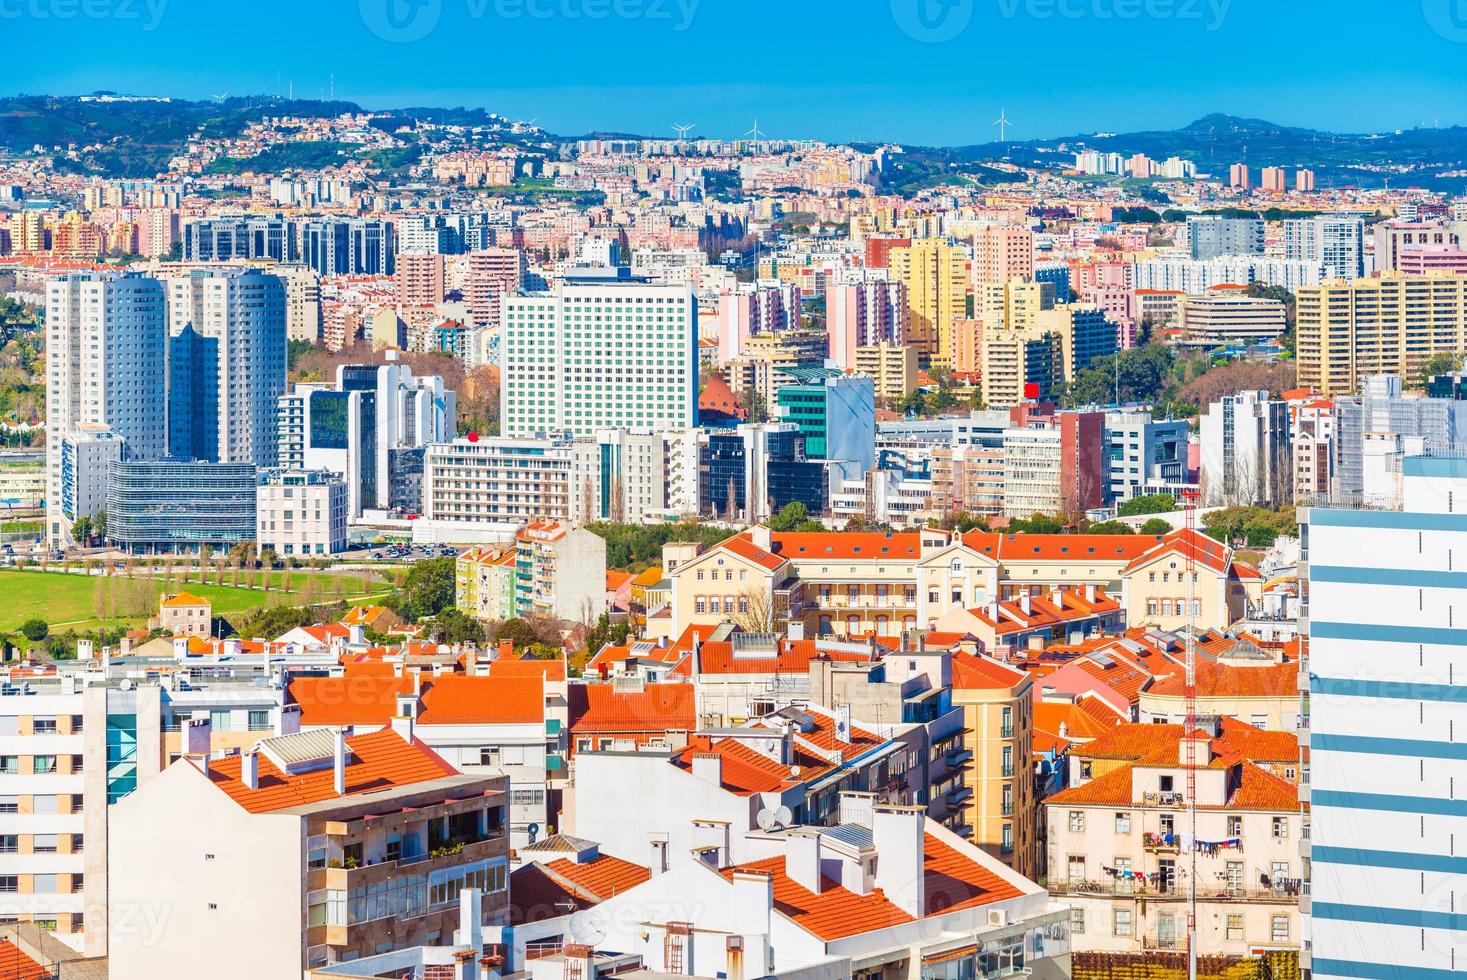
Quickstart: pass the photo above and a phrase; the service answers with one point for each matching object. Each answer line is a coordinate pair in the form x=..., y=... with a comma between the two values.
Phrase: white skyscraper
x=226, y=365
x=600, y=353
x=106, y=337
x=1386, y=670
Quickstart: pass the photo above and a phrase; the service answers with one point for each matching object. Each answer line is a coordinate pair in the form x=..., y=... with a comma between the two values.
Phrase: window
x=1077, y=821
x=9, y=883
x=1121, y=922
x=1077, y=921
x=1235, y=877
x=1076, y=868
x=1165, y=783
x=1235, y=825
x=44, y=843
x=1258, y=721
x=43, y=764
x=9, y=764
x=1281, y=827
x=44, y=884
x=43, y=726
x=1123, y=823
x=1235, y=928
x=1125, y=884
x=1168, y=823
x=259, y=721
x=9, y=843
x=1280, y=931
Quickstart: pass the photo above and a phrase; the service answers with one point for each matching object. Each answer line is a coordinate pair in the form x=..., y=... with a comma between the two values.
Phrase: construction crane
x=1189, y=743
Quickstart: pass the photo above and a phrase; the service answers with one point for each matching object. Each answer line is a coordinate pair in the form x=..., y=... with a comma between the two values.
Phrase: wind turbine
x=683, y=130
x=1002, y=122
x=756, y=133
x=222, y=96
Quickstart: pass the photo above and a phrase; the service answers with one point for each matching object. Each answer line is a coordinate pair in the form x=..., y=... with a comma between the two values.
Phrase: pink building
x=863, y=314
x=1088, y=280
x=1433, y=258
x=768, y=307
x=1002, y=253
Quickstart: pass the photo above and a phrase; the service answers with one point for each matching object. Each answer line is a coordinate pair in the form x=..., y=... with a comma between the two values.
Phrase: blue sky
x=930, y=71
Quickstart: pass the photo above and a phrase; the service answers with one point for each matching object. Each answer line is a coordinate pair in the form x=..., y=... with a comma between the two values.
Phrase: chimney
x=397, y=668
x=1058, y=598
x=506, y=650
x=338, y=763
x=751, y=907
x=708, y=766
x=197, y=736
x=471, y=924
x=1090, y=593
x=759, y=534
x=126, y=650
x=249, y=769
x=233, y=646
x=843, y=724
x=898, y=833
x=180, y=648
x=1025, y=606
x=287, y=719
x=658, y=862
x=802, y=859
x=403, y=725
x=579, y=961
x=796, y=630
x=356, y=634
x=84, y=650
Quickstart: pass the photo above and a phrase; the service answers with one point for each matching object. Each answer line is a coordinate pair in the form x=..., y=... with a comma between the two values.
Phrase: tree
x=35, y=629
x=794, y=516
x=453, y=626
x=1036, y=524
x=607, y=631
x=242, y=552
x=519, y=632
x=1442, y=362
x=81, y=529
x=1157, y=503
x=427, y=590
x=1110, y=527
x=1156, y=525
x=754, y=406
x=1137, y=375
x=99, y=526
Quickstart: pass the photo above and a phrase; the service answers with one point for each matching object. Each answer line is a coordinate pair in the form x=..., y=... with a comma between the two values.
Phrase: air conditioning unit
x=998, y=917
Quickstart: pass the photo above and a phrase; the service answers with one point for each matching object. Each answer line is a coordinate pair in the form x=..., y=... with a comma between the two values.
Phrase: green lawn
x=68, y=601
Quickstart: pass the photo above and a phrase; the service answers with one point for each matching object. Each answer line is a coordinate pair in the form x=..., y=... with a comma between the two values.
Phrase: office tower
x=493, y=274
x=366, y=427
x=1338, y=244
x=935, y=274
x=226, y=350
x=348, y=246
x=1238, y=176
x=1304, y=181
x=225, y=239
x=1435, y=424
x=500, y=481
x=176, y=506
x=836, y=413
x=1383, y=702
x=1392, y=238
x=1055, y=464
x=600, y=353
x=419, y=278
x=864, y=314
x=1146, y=455
x=106, y=338
x=754, y=470
x=1275, y=180
x=1001, y=253
x=1386, y=325
x=1245, y=451
x=1212, y=237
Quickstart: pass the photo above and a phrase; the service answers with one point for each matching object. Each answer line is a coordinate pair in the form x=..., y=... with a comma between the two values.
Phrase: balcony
x=1161, y=843
x=1006, y=731
x=1170, y=799
x=1136, y=888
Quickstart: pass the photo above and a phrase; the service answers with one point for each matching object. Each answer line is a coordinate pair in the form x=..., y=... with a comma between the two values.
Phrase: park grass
x=69, y=601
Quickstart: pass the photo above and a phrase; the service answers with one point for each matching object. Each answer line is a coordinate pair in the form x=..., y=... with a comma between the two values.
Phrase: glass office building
x=176, y=506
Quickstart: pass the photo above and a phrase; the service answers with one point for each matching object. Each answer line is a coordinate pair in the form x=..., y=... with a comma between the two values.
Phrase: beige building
x=301, y=512
x=185, y=614
x=997, y=703
x=1221, y=592
x=311, y=849
x=1121, y=840
x=1349, y=329
x=1230, y=317
x=1245, y=682
x=891, y=367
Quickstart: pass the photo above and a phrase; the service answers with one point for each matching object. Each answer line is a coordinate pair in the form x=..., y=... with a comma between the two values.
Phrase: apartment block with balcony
x=559, y=572
x=999, y=801
x=1122, y=843
x=314, y=848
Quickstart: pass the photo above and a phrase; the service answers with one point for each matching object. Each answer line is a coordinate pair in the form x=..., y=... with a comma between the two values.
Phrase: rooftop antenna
x=1002, y=122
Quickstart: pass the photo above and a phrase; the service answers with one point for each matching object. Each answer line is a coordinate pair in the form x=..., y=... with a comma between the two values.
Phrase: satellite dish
x=784, y=816
x=533, y=830
x=587, y=929
x=766, y=819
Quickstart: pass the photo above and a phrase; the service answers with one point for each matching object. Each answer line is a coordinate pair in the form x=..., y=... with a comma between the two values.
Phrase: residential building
x=309, y=849
x=1123, y=840
x=185, y=614
x=864, y=314
x=1337, y=243
x=301, y=512
x=593, y=354
x=935, y=274
x=175, y=507
x=1393, y=238
x=1380, y=595
x=891, y=367
x=226, y=365
x=106, y=349
x=1145, y=455
x=997, y=705
x=419, y=278
x=493, y=274
x=1245, y=451
x=1391, y=324
x=506, y=482
x=560, y=572
x=484, y=584
x=1211, y=237
x=747, y=309
x=1274, y=180
x=1382, y=417
x=1221, y=592
x=1002, y=253
x=1055, y=465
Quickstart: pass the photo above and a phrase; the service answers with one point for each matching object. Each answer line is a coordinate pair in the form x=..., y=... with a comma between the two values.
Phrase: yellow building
x=484, y=583
x=997, y=703
x=1390, y=325
x=893, y=368
x=935, y=273
x=1221, y=592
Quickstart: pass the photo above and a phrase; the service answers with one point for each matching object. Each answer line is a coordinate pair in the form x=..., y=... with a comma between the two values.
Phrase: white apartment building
x=1199, y=275
x=301, y=512
x=600, y=353
x=1245, y=451
x=501, y=481
x=1336, y=243
x=236, y=360
x=1383, y=703
x=642, y=476
x=1230, y=318
x=106, y=347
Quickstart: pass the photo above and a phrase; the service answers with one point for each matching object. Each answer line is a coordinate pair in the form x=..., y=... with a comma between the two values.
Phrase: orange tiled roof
x=548, y=891
x=380, y=760
x=1206, y=551
x=975, y=673
x=615, y=580
x=363, y=615
x=1217, y=680
x=747, y=771
x=953, y=882
x=455, y=700
x=657, y=708
x=15, y=965
x=743, y=547
x=552, y=670
x=180, y=599
x=1059, y=547
x=847, y=545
